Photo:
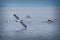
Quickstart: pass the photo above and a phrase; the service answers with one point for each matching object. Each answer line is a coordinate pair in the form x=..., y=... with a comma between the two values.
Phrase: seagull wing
x=23, y=24
x=16, y=16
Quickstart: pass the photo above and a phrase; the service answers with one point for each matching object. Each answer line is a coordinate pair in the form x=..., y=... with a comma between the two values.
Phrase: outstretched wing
x=16, y=16
x=23, y=23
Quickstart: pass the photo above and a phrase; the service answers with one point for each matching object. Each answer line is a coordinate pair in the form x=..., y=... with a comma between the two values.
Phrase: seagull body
x=51, y=21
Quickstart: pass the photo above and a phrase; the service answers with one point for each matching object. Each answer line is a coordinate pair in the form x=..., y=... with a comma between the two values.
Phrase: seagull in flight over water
x=19, y=20
x=51, y=21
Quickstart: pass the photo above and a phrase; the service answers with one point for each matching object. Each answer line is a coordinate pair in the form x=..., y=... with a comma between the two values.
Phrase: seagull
x=20, y=20
x=51, y=21
x=28, y=16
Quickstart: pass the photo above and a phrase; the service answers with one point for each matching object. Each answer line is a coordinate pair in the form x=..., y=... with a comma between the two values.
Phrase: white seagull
x=19, y=20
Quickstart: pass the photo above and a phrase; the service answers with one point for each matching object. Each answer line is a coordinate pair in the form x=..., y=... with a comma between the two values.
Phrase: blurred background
x=37, y=27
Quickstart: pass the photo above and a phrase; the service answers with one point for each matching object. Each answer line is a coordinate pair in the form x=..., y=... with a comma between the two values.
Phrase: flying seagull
x=28, y=16
x=19, y=20
x=51, y=21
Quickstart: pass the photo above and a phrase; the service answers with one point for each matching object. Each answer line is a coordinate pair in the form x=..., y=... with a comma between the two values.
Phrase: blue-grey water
x=37, y=26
